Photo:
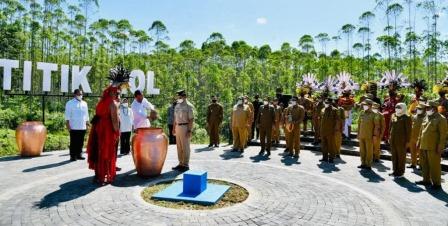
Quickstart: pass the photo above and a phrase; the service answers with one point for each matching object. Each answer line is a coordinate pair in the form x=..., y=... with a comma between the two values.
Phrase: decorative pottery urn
x=30, y=138
x=149, y=149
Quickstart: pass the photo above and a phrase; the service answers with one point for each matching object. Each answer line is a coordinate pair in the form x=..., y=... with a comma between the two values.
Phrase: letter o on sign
x=137, y=75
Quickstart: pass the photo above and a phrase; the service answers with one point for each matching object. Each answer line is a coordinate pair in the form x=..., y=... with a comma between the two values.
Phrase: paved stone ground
x=49, y=190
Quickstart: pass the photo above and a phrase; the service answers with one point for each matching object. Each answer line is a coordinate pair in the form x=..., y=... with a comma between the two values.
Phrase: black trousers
x=125, y=143
x=76, y=142
x=172, y=138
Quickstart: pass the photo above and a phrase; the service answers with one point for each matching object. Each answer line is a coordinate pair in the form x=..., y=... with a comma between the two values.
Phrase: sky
x=257, y=22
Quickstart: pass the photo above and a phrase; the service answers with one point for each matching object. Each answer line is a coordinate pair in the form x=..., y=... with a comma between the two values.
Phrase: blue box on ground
x=176, y=193
x=195, y=182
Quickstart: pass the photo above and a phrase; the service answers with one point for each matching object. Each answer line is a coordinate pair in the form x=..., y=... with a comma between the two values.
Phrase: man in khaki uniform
x=328, y=124
x=286, y=126
x=340, y=121
x=294, y=117
x=317, y=113
x=251, y=119
x=183, y=126
x=265, y=122
x=278, y=116
x=368, y=131
x=214, y=120
x=382, y=124
x=240, y=121
x=400, y=136
x=431, y=143
x=417, y=121
x=307, y=104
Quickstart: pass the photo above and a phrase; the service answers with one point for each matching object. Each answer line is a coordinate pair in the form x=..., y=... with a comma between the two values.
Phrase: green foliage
x=57, y=141
x=8, y=144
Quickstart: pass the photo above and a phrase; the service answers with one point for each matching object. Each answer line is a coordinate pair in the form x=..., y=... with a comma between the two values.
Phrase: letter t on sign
x=8, y=65
x=46, y=68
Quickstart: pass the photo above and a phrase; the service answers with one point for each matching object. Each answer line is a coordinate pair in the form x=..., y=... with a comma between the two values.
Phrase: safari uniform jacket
x=368, y=125
x=433, y=133
x=240, y=116
x=417, y=121
x=328, y=121
x=400, y=129
x=214, y=113
x=297, y=113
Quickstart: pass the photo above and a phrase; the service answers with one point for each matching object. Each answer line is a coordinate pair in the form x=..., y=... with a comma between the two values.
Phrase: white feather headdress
x=329, y=84
x=394, y=78
x=308, y=80
x=346, y=83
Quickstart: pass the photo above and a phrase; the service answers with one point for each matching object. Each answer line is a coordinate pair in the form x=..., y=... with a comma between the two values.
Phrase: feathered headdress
x=419, y=84
x=345, y=83
x=442, y=86
x=329, y=85
x=308, y=83
x=119, y=76
x=393, y=80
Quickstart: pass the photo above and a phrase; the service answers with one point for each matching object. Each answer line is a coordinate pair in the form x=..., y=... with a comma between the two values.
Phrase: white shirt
x=77, y=114
x=141, y=112
x=126, y=119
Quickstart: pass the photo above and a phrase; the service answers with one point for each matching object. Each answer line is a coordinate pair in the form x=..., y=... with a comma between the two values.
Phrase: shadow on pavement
x=203, y=149
x=46, y=166
x=18, y=157
x=328, y=167
x=380, y=167
x=405, y=183
x=130, y=178
x=439, y=194
x=259, y=158
x=228, y=154
x=371, y=176
x=288, y=161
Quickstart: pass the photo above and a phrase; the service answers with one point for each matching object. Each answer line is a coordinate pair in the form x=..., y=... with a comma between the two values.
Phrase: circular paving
x=279, y=194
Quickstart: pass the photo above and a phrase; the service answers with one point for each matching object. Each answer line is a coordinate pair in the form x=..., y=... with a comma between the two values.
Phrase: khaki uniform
x=317, y=111
x=214, y=120
x=431, y=143
x=265, y=122
x=377, y=141
x=240, y=121
x=328, y=124
x=294, y=115
x=400, y=135
x=417, y=121
x=183, y=115
x=251, y=121
x=340, y=120
x=368, y=128
x=277, y=120
x=284, y=123
x=307, y=104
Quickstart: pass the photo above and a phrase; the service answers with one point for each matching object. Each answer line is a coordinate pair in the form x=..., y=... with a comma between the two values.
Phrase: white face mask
x=125, y=105
x=79, y=97
x=293, y=103
x=399, y=111
x=327, y=105
x=239, y=102
x=365, y=107
x=430, y=112
x=265, y=102
x=245, y=101
x=179, y=101
x=419, y=112
x=375, y=110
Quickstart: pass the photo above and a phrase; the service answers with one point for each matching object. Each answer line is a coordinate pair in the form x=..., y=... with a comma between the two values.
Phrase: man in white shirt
x=77, y=120
x=126, y=120
x=142, y=110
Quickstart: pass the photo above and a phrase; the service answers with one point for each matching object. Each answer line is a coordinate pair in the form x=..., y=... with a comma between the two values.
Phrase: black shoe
x=376, y=160
x=436, y=187
x=290, y=154
x=411, y=167
x=184, y=168
x=338, y=156
x=423, y=183
x=210, y=145
x=268, y=153
x=368, y=168
x=315, y=143
x=323, y=160
x=234, y=150
x=261, y=152
x=361, y=167
x=242, y=150
x=296, y=156
x=331, y=161
x=286, y=150
x=216, y=145
x=117, y=169
x=72, y=159
x=177, y=167
x=80, y=158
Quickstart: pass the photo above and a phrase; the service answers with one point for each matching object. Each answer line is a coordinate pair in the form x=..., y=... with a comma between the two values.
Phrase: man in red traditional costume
x=345, y=86
x=393, y=81
x=105, y=132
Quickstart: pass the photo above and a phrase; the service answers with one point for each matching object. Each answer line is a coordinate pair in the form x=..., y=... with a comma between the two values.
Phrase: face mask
x=79, y=97
x=419, y=112
x=125, y=105
x=430, y=112
x=327, y=105
x=398, y=111
x=240, y=102
x=293, y=103
x=375, y=110
x=421, y=102
x=265, y=102
x=179, y=101
x=245, y=101
x=365, y=107
x=289, y=104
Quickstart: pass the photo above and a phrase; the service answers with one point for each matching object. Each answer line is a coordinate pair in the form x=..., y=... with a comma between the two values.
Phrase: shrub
x=56, y=142
x=8, y=144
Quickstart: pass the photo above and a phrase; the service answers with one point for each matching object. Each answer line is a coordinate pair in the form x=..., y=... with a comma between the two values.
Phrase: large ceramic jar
x=30, y=138
x=149, y=149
